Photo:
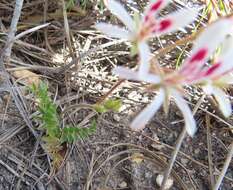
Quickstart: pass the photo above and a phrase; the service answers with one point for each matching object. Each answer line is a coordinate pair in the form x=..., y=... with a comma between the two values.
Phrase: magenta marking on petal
x=155, y=6
x=194, y=63
x=212, y=69
x=199, y=56
x=164, y=24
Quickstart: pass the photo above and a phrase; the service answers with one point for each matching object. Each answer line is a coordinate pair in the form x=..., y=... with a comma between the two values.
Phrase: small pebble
x=159, y=180
x=184, y=161
x=123, y=184
x=116, y=117
x=197, y=151
x=155, y=137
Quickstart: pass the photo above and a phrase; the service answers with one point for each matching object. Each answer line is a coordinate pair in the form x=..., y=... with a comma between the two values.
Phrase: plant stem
x=5, y=58
x=173, y=158
x=178, y=145
x=118, y=83
x=13, y=28
x=225, y=167
x=210, y=152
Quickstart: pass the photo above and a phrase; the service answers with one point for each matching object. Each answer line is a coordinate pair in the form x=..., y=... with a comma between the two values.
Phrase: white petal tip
x=191, y=130
x=145, y=115
x=125, y=73
x=135, y=127
x=227, y=113
x=113, y=30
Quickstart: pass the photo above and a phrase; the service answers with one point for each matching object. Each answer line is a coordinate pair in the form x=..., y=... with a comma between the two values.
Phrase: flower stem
x=178, y=145
x=173, y=158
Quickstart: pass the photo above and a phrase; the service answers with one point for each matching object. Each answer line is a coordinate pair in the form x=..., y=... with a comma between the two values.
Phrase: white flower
x=220, y=75
x=167, y=89
x=138, y=31
x=217, y=75
x=192, y=71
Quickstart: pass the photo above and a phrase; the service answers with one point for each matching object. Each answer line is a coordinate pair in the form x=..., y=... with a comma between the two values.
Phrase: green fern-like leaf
x=47, y=109
x=55, y=136
x=108, y=105
x=113, y=104
x=71, y=134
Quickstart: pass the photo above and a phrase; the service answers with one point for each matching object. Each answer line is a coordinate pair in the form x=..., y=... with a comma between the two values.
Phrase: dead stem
x=30, y=30
x=209, y=145
x=67, y=29
x=173, y=157
x=5, y=58
x=118, y=83
x=13, y=29
x=225, y=167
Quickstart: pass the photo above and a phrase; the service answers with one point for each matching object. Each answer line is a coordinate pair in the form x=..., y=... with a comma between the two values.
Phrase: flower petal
x=126, y=73
x=190, y=123
x=151, y=78
x=153, y=7
x=226, y=79
x=226, y=46
x=120, y=12
x=208, y=88
x=226, y=57
x=176, y=20
x=223, y=101
x=209, y=72
x=113, y=31
x=205, y=45
x=212, y=36
x=223, y=65
x=142, y=118
x=144, y=55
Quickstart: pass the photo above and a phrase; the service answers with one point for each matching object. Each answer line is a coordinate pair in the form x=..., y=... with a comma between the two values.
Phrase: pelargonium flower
x=218, y=75
x=193, y=71
x=139, y=30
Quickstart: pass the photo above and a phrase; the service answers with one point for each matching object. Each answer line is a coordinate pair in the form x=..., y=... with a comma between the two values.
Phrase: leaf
x=48, y=110
x=27, y=77
x=71, y=134
x=70, y=4
x=101, y=6
x=99, y=108
x=108, y=105
x=113, y=104
x=92, y=128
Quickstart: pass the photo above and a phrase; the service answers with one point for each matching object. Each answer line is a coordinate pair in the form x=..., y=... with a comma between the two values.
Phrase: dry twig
x=209, y=145
x=225, y=167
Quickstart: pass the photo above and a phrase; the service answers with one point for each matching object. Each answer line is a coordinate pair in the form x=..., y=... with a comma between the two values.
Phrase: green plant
x=71, y=134
x=83, y=4
x=55, y=137
x=108, y=105
x=71, y=3
x=48, y=110
x=100, y=5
